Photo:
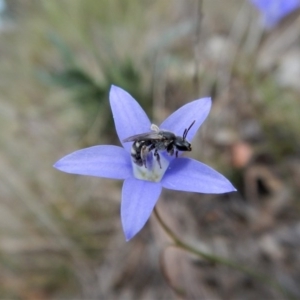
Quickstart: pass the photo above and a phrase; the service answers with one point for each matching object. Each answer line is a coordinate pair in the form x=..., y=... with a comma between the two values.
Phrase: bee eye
x=183, y=146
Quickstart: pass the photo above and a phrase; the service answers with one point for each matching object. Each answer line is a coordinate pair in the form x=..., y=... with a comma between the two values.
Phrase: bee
x=158, y=140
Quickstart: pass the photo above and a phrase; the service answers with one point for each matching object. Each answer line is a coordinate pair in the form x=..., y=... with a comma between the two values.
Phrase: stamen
x=154, y=127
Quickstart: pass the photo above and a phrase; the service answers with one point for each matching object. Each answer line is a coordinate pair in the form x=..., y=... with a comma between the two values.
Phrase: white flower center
x=152, y=171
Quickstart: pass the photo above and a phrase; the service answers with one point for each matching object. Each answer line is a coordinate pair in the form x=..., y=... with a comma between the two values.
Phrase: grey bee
x=158, y=140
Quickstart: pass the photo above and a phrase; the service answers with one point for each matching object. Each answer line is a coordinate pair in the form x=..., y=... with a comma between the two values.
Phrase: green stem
x=177, y=242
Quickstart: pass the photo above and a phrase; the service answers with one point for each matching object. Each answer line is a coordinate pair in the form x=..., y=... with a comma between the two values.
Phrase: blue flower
x=274, y=10
x=143, y=185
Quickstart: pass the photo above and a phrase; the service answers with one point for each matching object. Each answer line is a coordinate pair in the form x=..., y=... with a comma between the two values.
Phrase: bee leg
x=176, y=154
x=157, y=157
x=144, y=153
x=151, y=147
x=170, y=149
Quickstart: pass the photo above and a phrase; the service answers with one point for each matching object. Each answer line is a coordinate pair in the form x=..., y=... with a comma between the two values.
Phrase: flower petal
x=182, y=118
x=274, y=10
x=129, y=117
x=101, y=161
x=185, y=174
x=138, y=200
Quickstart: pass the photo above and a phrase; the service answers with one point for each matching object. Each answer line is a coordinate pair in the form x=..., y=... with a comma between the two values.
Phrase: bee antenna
x=187, y=130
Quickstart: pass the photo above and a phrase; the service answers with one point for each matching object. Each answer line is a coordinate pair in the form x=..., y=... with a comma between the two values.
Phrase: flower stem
x=177, y=242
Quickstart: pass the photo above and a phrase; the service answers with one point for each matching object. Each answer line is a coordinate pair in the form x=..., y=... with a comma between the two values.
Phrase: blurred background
x=60, y=234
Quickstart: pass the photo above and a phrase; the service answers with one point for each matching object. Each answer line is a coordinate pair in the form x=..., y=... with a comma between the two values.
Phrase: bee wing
x=143, y=136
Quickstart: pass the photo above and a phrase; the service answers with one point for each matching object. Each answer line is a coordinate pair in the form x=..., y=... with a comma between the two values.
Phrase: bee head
x=182, y=144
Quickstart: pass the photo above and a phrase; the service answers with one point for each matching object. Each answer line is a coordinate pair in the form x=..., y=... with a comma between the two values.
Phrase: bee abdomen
x=136, y=152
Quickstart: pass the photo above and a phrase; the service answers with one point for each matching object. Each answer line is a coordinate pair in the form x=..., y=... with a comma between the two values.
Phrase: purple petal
x=129, y=117
x=274, y=10
x=185, y=174
x=101, y=161
x=182, y=118
x=138, y=200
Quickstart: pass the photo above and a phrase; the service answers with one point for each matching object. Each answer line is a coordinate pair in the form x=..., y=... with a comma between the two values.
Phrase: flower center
x=152, y=171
